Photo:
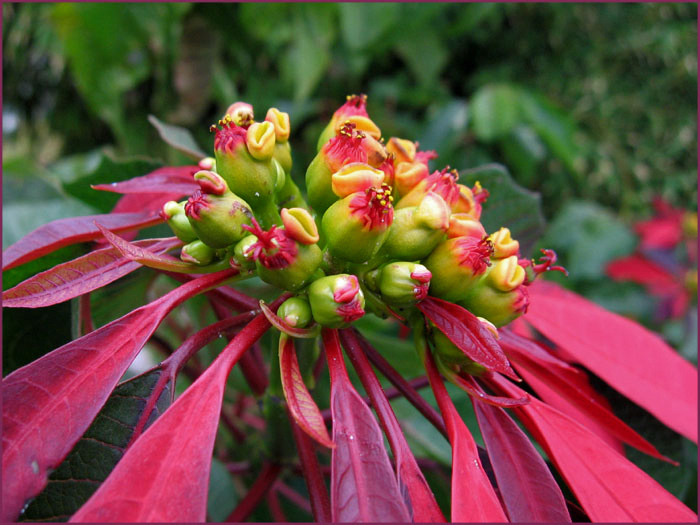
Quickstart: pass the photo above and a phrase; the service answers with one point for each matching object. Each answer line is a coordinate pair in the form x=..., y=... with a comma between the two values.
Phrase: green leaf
x=222, y=492
x=496, y=110
x=100, y=448
x=424, y=53
x=363, y=24
x=22, y=217
x=587, y=236
x=108, y=171
x=445, y=127
x=309, y=54
x=104, y=67
x=29, y=333
x=179, y=138
x=508, y=205
x=553, y=126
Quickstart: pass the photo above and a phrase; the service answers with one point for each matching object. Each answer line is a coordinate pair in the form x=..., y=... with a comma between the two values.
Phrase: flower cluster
x=379, y=233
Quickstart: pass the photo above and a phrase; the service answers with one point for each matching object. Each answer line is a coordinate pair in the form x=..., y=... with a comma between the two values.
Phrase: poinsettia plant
x=665, y=261
x=375, y=232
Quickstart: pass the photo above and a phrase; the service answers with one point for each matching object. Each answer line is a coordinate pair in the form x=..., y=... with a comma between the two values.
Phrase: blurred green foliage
x=579, y=101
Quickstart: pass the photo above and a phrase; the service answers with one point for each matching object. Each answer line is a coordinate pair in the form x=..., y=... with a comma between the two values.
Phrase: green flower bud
x=349, y=145
x=283, y=151
x=355, y=227
x=499, y=295
x=244, y=160
x=242, y=253
x=198, y=253
x=280, y=260
x=174, y=214
x=403, y=283
x=500, y=308
x=456, y=265
x=207, y=163
x=296, y=312
x=216, y=214
x=416, y=231
x=336, y=300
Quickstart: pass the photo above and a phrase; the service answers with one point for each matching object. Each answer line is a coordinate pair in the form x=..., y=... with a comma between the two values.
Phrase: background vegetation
x=592, y=106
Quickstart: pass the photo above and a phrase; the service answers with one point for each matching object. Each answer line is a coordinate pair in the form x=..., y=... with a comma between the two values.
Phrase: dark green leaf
x=179, y=138
x=508, y=205
x=587, y=236
x=108, y=171
x=222, y=492
x=29, y=333
x=104, y=67
x=424, y=52
x=101, y=447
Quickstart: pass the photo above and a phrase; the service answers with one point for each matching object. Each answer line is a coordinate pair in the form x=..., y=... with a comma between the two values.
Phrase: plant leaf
x=169, y=179
x=416, y=491
x=49, y=403
x=509, y=204
x=79, y=276
x=467, y=333
x=179, y=138
x=132, y=202
x=301, y=405
x=631, y=359
x=528, y=488
x=567, y=388
x=64, y=232
x=609, y=487
x=173, y=457
x=471, y=387
x=94, y=456
x=107, y=172
x=473, y=497
x=363, y=484
x=130, y=410
x=150, y=259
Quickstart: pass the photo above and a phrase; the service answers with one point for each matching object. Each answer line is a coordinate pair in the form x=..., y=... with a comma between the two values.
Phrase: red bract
x=37, y=400
x=64, y=232
x=266, y=425
x=666, y=260
x=363, y=486
x=655, y=377
x=170, y=179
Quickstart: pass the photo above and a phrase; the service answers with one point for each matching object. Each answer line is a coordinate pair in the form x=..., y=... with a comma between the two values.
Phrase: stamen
x=546, y=263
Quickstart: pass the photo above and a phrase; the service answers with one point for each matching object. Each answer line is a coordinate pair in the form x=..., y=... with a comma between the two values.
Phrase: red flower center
x=345, y=147
x=229, y=135
x=273, y=248
x=354, y=105
x=444, y=183
x=374, y=208
x=474, y=253
x=196, y=203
